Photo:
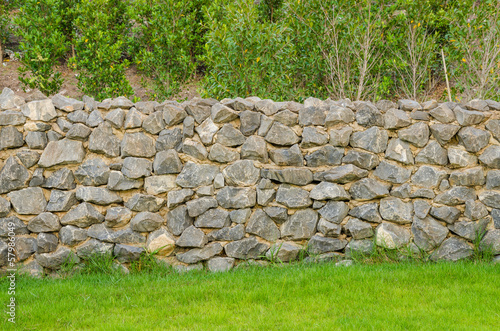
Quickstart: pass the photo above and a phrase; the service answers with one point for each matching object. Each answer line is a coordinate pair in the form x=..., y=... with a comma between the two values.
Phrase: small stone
x=62, y=152
x=78, y=116
x=491, y=242
x=220, y=264
x=338, y=114
x=428, y=233
x=170, y=139
x=392, y=236
x=46, y=243
x=36, y=140
x=408, y=105
x=175, y=198
x=121, y=102
x=402, y=191
x=421, y=208
x=229, y=136
x=192, y=237
x=293, y=197
x=493, y=126
x=126, y=253
x=489, y=198
x=312, y=116
x=159, y=184
x=161, y=242
x=222, y=114
x=329, y=191
x=325, y=156
x=194, y=149
x=97, y=195
x=295, y=176
x=467, y=117
x=116, y=118
x=433, y=153
x=281, y=135
x=12, y=117
x=153, y=123
x=241, y=173
x=118, y=182
x=329, y=229
x=342, y=174
x=13, y=176
x=396, y=119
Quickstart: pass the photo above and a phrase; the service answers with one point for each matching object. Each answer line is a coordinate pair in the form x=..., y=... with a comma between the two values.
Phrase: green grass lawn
x=461, y=296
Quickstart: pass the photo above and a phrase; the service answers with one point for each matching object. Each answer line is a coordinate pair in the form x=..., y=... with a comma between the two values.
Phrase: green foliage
x=4, y=26
x=102, y=27
x=100, y=263
x=148, y=262
x=269, y=10
x=162, y=41
x=42, y=44
x=245, y=57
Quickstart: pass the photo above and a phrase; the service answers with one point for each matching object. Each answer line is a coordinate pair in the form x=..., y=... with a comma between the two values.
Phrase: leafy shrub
x=162, y=41
x=42, y=44
x=102, y=27
x=475, y=51
x=4, y=27
x=244, y=56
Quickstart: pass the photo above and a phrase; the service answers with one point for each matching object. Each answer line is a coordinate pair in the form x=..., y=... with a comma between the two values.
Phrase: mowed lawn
x=461, y=296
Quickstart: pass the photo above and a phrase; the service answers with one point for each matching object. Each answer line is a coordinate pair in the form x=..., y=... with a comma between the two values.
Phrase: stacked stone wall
x=211, y=183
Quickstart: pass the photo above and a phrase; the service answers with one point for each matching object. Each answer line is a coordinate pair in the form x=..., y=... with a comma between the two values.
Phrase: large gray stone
x=396, y=119
x=301, y=225
x=491, y=242
x=28, y=158
x=244, y=249
x=255, y=148
x=392, y=236
x=467, y=117
x=61, y=201
x=455, y=196
x=493, y=180
x=395, y=210
x=178, y=220
x=329, y=191
x=4, y=207
x=293, y=197
x=373, y=140
x=459, y=157
x=153, y=123
x=416, y=134
x=493, y=126
x=169, y=139
x=12, y=117
x=428, y=233
x=491, y=157
x=283, y=252
x=490, y=198
x=368, y=212
x=167, y=162
x=200, y=254
x=146, y=222
x=368, y=115
x=468, y=177
x=9, y=100
x=44, y=222
x=319, y=245
x=62, y=179
x=213, y=218
x=400, y=151
x=444, y=132
x=312, y=137
x=39, y=110
x=249, y=122
x=103, y=141
x=94, y=247
x=469, y=230
x=143, y=202
x=229, y=136
x=93, y=172
x=295, y=176
x=334, y=211
x=117, y=216
x=341, y=136
x=262, y=225
x=137, y=144
x=28, y=201
x=325, y=156
x=159, y=184
x=135, y=167
x=173, y=115
x=175, y=198
x=358, y=229
x=443, y=113
x=13, y=176
x=364, y=160
x=428, y=176
x=368, y=189
x=25, y=247
x=97, y=195
x=126, y=253
x=10, y=137
x=61, y=152
x=281, y=135
x=194, y=175
x=46, y=243
x=56, y=259
x=433, y=153
x=12, y=224
x=287, y=157
x=473, y=139
x=392, y=173
x=118, y=182
x=452, y=249
x=82, y=216
x=227, y=233
x=337, y=114
x=236, y=197
x=341, y=174
x=445, y=213
x=329, y=229
x=222, y=154
x=222, y=114
x=197, y=207
x=242, y=173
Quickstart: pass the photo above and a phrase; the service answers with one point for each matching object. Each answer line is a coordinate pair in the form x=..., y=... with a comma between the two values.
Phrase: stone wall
x=214, y=183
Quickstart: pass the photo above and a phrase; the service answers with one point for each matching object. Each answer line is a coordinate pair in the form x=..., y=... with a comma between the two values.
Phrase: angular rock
x=489, y=198
x=126, y=253
x=240, y=216
x=97, y=195
x=287, y=157
x=61, y=201
x=137, y=144
x=416, y=134
x=361, y=159
x=241, y=173
x=443, y=113
x=222, y=154
x=146, y=222
x=227, y=234
x=142, y=202
x=460, y=158
x=94, y=247
x=28, y=201
x=117, y=216
x=491, y=157
x=93, y=172
x=373, y=140
x=392, y=173
x=325, y=156
x=153, y=123
x=56, y=259
x=169, y=139
x=301, y=225
x=229, y=136
x=368, y=189
x=467, y=117
x=358, y=229
x=103, y=141
x=167, y=162
x=469, y=177
x=12, y=224
x=445, y=213
x=395, y=210
x=62, y=152
x=200, y=254
x=40, y=110
x=433, y=153
x=396, y=119
x=368, y=212
x=118, y=182
x=262, y=225
x=79, y=132
x=452, y=249
x=44, y=222
x=473, y=139
x=173, y=115
x=340, y=137
x=319, y=245
x=62, y=179
x=220, y=264
x=10, y=137
x=28, y=158
x=222, y=114
x=281, y=135
x=456, y=196
x=428, y=176
x=254, y=148
x=283, y=252
x=236, y=197
x=493, y=180
x=13, y=176
x=293, y=197
x=175, y=198
x=116, y=118
x=82, y=216
x=329, y=229
x=400, y=151
x=46, y=243
x=195, y=175
x=368, y=115
x=329, y=191
x=392, y=236
x=312, y=116
x=178, y=220
x=194, y=149
x=250, y=122
x=444, y=132
x=428, y=233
